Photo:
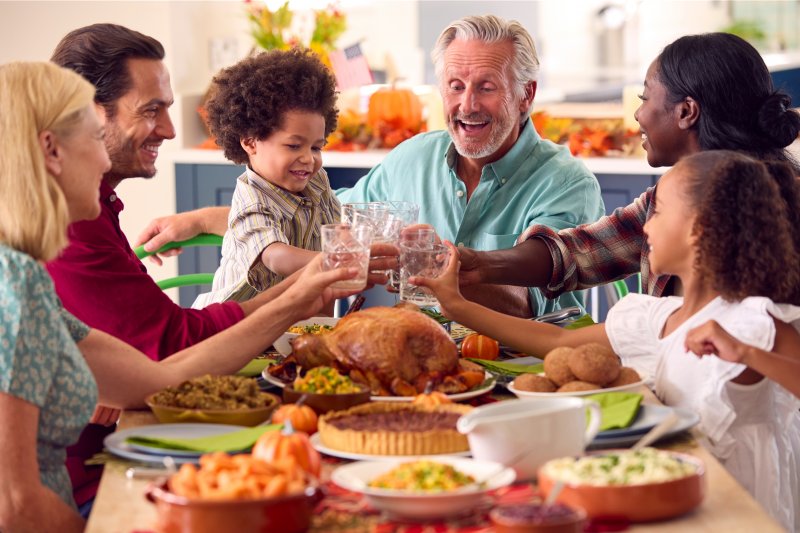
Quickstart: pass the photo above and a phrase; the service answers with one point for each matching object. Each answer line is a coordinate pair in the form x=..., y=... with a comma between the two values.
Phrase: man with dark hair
x=98, y=277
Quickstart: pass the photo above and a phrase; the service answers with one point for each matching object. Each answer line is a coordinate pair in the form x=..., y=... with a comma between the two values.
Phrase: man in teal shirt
x=485, y=179
x=489, y=176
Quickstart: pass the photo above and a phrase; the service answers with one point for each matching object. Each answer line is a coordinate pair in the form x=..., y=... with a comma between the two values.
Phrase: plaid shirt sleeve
x=593, y=254
x=253, y=229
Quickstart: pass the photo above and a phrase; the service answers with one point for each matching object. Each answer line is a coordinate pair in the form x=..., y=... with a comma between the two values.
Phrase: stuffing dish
x=214, y=392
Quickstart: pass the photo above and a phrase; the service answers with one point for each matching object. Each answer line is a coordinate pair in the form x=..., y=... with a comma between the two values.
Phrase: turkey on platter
x=393, y=350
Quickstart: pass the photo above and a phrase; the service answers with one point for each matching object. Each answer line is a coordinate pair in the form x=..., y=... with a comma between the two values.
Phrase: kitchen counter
x=369, y=158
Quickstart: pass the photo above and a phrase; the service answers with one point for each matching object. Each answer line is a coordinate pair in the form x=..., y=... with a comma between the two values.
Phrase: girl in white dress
x=724, y=226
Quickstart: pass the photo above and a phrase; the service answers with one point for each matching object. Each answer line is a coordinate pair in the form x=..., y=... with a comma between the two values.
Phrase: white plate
x=527, y=394
x=487, y=385
x=424, y=506
x=686, y=420
x=316, y=442
x=115, y=442
x=283, y=345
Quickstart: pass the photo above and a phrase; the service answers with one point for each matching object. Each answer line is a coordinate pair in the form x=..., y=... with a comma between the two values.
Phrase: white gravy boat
x=524, y=434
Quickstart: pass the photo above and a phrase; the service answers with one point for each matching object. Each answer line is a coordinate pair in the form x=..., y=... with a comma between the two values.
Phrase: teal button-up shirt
x=535, y=182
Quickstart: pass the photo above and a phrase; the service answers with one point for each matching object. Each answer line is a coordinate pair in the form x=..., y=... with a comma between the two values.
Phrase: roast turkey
x=396, y=351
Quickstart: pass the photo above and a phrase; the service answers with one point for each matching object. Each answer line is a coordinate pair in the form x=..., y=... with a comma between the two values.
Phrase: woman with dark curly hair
x=734, y=263
x=703, y=92
x=272, y=112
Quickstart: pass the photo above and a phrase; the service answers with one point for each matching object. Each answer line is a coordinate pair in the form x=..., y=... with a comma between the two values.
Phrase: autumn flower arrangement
x=273, y=29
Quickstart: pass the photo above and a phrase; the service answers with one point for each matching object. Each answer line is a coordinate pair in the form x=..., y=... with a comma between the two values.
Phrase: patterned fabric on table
x=343, y=511
x=41, y=364
x=263, y=214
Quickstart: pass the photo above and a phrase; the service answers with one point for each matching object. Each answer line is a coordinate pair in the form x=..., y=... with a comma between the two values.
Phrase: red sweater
x=102, y=282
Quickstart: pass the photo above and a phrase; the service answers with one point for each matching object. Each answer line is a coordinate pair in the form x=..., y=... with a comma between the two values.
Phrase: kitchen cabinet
x=204, y=178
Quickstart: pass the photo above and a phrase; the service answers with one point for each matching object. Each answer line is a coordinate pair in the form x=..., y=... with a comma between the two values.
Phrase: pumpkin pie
x=384, y=428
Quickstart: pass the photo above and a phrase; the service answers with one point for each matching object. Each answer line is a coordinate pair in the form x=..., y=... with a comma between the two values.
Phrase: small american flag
x=350, y=67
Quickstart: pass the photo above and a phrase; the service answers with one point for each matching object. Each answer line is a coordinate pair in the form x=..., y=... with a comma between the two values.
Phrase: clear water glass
x=421, y=260
x=344, y=245
x=370, y=209
x=421, y=237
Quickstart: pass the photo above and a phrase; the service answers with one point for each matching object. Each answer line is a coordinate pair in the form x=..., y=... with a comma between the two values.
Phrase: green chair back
x=184, y=280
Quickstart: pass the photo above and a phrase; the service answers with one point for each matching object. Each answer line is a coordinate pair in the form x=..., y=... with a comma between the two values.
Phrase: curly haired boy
x=272, y=112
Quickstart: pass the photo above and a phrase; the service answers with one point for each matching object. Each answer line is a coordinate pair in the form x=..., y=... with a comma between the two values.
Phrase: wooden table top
x=121, y=506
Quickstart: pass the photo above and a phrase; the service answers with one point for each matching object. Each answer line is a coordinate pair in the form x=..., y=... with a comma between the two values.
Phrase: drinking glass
x=385, y=227
x=421, y=237
x=347, y=246
x=408, y=212
x=370, y=209
x=427, y=261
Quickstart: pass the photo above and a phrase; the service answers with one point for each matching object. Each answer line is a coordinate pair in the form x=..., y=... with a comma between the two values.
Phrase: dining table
x=121, y=505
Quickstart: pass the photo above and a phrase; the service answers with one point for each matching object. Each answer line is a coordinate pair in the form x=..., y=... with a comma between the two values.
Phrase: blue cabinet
x=200, y=185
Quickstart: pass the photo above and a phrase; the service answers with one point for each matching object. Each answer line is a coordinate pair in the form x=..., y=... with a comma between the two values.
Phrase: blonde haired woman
x=53, y=368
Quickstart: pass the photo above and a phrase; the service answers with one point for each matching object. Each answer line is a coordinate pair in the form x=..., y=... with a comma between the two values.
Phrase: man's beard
x=501, y=128
x=124, y=161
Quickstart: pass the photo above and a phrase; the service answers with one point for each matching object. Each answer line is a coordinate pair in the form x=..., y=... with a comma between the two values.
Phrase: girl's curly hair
x=746, y=211
x=251, y=98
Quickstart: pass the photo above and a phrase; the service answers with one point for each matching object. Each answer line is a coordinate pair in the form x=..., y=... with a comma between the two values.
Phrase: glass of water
x=344, y=245
x=426, y=260
x=419, y=236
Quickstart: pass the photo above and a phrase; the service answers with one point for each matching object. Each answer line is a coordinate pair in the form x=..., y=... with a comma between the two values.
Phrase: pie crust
x=393, y=438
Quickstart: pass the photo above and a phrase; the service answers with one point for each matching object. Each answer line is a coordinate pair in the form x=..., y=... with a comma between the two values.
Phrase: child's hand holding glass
x=444, y=286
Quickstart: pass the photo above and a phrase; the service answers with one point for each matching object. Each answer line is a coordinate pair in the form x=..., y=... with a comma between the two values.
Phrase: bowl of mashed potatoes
x=640, y=486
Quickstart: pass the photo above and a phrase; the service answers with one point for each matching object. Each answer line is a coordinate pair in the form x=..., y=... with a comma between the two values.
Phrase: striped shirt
x=262, y=214
x=593, y=254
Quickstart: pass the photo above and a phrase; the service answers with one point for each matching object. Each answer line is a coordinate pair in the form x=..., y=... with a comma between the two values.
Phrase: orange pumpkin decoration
x=431, y=399
x=477, y=346
x=302, y=417
x=392, y=108
x=288, y=444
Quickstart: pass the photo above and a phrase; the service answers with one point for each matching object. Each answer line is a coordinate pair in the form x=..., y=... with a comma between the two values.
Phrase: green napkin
x=508, y=369
x=582, y=322
x=619, y=408
x=254, y=367
x=228, y=442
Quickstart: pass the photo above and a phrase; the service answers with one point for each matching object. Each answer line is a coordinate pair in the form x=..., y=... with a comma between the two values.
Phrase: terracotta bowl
x=532, y=518
x=177, y=514
x=636, y=503
x=322, y=403
x=239, y=417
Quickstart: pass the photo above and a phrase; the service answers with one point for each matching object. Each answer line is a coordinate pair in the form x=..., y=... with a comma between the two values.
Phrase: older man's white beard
x=501, y=129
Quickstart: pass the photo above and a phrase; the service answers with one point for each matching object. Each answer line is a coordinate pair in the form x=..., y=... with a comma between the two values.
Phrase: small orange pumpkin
x=477, y=346
x=302, y=417
x=393, y=108
x=431, y=399
x=288, y=444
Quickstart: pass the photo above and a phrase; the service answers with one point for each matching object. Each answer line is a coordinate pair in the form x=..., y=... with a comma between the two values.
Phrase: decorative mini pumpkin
x=431, y=399
x=302, y=417
x=288, y=444
x=393, y=108
x=477, y=346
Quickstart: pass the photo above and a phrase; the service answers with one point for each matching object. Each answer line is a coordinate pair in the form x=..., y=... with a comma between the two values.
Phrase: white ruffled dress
x=753, y=430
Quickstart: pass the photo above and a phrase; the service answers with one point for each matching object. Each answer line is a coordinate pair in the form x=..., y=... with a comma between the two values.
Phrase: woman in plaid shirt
x=703, y=92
